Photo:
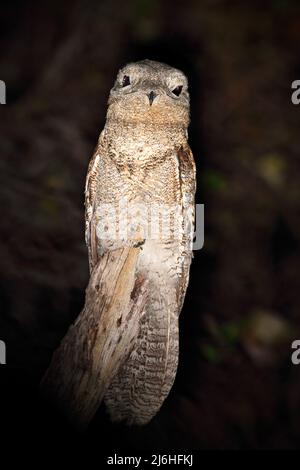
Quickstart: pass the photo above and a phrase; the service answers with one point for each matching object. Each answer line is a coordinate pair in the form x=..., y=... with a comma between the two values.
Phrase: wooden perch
x=102, y=337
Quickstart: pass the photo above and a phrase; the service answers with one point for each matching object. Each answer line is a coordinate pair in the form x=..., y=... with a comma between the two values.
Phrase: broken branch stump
x=100, y=340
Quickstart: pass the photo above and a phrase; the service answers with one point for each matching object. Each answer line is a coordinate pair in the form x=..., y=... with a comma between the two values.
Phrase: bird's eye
x=126, y=81
x=177, y=90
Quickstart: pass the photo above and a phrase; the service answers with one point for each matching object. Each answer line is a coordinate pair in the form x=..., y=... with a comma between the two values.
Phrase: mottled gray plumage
x=143, y=157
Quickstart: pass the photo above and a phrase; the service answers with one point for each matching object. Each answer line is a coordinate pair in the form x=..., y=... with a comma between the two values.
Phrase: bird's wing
x=90, y=199
x=187, y=177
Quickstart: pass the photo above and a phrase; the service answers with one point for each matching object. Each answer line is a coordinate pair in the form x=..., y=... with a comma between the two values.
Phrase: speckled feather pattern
x=143, y=156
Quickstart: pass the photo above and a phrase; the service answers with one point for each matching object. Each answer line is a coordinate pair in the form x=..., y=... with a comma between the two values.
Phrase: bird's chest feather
x=140, y=201
x=145, y=180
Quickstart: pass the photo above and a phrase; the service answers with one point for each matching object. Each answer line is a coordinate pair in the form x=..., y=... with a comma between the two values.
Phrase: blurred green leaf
x=272, y=168
x=214, y=180
x=266, y=327
x=230, y=332
x=210, y=353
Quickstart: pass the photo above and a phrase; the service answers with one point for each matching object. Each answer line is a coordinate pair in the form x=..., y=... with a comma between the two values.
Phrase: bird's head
x=150, y=92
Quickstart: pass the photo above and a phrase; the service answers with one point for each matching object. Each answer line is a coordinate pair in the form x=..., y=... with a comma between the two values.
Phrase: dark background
x=236, y=387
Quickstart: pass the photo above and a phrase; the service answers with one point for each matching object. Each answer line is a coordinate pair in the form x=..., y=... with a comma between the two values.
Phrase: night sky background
x=236, y=386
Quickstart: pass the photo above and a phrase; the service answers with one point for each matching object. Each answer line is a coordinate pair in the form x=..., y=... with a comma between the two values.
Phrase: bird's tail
x=143, y=382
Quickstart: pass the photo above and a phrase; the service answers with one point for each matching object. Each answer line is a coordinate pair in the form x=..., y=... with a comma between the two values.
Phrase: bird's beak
x=151, y=97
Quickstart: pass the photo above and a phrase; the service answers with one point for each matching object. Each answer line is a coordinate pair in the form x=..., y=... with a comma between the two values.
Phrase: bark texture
x=100, y=340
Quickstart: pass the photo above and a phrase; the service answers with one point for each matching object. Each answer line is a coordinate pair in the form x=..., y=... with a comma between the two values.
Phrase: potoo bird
x=140, y=192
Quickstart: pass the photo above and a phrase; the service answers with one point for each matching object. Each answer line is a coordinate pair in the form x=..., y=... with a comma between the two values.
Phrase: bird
x=143, y=173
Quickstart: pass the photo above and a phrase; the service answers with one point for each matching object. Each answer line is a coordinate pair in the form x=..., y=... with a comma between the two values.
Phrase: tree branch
x=100, y=340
